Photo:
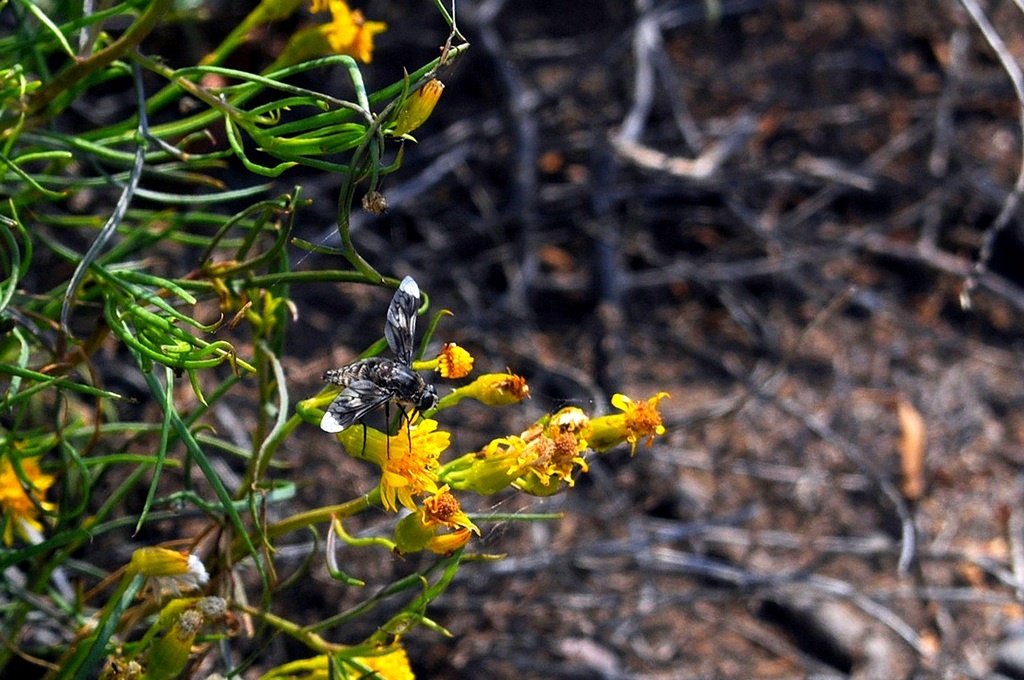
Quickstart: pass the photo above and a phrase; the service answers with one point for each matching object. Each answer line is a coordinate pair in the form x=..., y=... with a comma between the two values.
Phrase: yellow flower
x=408, y=460
x=451, y=362
x=454, y=361
x=493, y=389
x=637, y=420
x=393, y=665
x=21, y=505
x=170, y=571
x=535, y=462
x=348, y=32
x=551, y=450
x=417, y=107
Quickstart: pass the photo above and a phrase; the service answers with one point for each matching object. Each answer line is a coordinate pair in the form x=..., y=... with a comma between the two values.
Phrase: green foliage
x=161, y=282
x=107, y=281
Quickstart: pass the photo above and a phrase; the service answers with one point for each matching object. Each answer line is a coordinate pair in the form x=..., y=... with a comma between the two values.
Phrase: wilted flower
x=493, y=389
x=170, y=571
x=551, y=450
x=169, y=655
x=535, y=461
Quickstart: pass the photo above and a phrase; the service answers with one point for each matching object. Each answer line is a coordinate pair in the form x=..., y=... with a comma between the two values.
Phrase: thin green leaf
x=40, y=16
x=196, y=453
x=161, y=450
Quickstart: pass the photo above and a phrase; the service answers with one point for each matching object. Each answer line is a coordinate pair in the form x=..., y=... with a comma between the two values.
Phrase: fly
x=371, y=383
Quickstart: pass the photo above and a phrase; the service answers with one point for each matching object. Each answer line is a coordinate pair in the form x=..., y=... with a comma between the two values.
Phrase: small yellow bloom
x=551, y=451
x=417, y=107
x=21, y=505
x=637, y=420
x=454, y=362
x=408, y=460
x=170, y=571
x=348, y=32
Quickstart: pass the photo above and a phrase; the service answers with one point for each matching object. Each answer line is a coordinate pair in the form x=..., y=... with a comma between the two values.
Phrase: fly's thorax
x=405, y=382
x=408, y=387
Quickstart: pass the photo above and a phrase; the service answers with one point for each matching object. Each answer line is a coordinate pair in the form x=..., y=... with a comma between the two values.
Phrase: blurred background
x=770, y=210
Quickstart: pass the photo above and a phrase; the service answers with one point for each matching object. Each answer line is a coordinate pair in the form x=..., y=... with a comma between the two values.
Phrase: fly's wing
x=353, y=404
x=401, y=325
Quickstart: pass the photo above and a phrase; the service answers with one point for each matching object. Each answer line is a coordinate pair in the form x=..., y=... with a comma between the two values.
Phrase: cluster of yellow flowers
x=540, y=461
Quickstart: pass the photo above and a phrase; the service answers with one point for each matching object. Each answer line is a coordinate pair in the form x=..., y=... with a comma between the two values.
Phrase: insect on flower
x=371, y=383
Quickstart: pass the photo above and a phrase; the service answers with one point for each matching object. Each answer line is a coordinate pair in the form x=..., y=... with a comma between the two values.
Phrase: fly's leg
x=408, y=425
x=387, y=427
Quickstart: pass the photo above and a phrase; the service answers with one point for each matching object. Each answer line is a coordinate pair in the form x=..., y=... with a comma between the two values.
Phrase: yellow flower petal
x=21, y=505
x=348, y=32
x=408, y=460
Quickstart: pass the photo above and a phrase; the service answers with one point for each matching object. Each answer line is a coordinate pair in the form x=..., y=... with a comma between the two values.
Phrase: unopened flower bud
x=417, y=107
x=454, y=362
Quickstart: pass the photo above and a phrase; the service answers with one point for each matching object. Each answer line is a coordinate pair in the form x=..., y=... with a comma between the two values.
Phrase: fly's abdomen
x=364, y=369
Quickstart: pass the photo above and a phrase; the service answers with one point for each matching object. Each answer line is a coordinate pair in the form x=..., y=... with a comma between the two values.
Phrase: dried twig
x=1012, y=200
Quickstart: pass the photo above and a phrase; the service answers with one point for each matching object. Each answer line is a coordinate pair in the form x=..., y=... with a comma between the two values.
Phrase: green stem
x=309, y=518
x=311, y=640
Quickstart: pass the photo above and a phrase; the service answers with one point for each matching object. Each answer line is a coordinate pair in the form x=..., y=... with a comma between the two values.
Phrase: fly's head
x=427, y=399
